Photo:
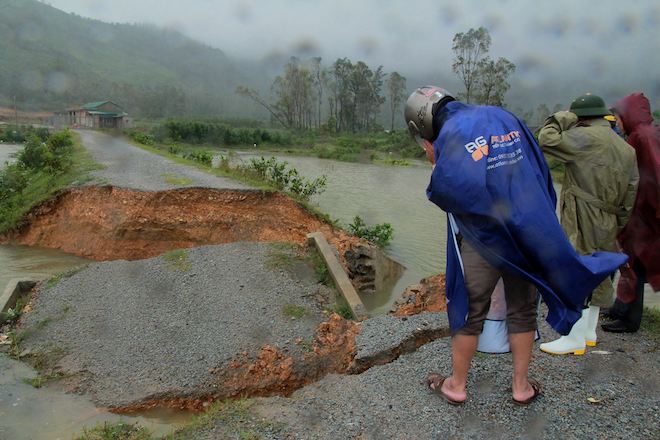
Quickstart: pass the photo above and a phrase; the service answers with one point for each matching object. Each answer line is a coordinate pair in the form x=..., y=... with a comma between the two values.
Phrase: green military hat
x=589, y=105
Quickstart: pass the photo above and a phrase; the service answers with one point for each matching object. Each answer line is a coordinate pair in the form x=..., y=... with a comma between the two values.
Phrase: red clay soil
x=272, y=371
x=109, y=223
x=427, y=296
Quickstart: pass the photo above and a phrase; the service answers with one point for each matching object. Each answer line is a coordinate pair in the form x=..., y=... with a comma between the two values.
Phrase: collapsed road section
x=109, y=223
x=194, y=299
x=239, y=319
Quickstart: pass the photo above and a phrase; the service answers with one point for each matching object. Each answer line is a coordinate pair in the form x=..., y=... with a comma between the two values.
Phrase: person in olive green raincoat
x=598, y=194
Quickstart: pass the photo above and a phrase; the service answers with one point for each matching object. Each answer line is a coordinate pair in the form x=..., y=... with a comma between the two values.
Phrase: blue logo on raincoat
x=491, y=176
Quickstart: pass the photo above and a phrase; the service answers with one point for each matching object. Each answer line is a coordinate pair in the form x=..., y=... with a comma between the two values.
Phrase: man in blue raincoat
x=490, y=176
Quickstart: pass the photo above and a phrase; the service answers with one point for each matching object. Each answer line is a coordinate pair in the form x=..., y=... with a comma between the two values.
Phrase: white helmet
x=420, y=108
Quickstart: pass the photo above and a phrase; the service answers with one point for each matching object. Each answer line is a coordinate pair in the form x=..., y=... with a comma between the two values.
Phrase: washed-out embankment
x=106, y=223
x=110, y=223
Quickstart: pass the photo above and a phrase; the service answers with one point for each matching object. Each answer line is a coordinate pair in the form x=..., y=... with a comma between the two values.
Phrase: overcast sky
x=591, y=41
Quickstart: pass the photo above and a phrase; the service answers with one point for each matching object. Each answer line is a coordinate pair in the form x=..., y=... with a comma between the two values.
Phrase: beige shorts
x=480, y=280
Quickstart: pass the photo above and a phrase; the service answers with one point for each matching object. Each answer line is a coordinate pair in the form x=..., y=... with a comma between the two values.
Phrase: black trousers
x=631, y=314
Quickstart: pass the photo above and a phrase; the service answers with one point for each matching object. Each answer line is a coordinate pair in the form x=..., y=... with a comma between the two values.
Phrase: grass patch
x=13, y=313
x=173, y=179
x=342, y=309
x=15, y=340
x=116, y=431
x=231, y=419
x=55, y=279
x=177, y=260
x=44, y=361
x=320, y=268
x=294, y=311
x=281, y=256
x=41, y=380
x=651, y=322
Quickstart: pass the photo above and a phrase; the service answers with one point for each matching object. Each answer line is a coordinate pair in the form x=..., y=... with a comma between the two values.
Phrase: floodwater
x=36, y=263
x=383, y=194
x=28, y=413
x=7, y=152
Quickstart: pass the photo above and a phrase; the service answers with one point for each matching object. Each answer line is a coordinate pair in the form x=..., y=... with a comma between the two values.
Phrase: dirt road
x=130, y=167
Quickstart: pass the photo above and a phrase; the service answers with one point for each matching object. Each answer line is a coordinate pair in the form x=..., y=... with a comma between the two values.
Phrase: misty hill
x=52, y=60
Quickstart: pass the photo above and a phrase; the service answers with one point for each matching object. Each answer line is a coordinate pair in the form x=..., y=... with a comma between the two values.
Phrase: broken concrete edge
x=384, y=339
x=14, y=290
x=338, y=275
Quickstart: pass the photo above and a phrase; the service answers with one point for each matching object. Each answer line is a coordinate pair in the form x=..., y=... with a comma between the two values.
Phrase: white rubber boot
x=590, y=336
x=573, y=343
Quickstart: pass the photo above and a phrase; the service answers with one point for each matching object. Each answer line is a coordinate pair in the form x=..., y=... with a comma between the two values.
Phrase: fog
x=561, y=47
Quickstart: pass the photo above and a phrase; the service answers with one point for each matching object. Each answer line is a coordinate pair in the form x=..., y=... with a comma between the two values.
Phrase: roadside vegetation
x=379, y=234
x=17, y=134
x=192, y=137
x=47, y=164
x=267, y=174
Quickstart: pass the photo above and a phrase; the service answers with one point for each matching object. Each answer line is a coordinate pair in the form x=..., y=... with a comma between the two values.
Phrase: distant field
x=7, y=115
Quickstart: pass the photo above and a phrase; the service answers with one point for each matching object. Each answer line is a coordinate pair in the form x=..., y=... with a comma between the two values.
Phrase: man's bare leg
x=462, y=351
x=521, y=347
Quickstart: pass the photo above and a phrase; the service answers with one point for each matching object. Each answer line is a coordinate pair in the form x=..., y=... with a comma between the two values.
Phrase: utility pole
x=15, y=113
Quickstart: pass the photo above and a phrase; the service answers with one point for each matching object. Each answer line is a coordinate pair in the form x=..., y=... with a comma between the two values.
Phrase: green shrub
x=42, y=168
x=289, y=180
x=216, y=132
x=380, y=234
x=142, y=138
x=52, y=155
x=203, y=157
x=17, y=134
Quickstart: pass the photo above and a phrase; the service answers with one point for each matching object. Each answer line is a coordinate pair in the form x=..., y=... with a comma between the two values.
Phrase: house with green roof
x=101, y=114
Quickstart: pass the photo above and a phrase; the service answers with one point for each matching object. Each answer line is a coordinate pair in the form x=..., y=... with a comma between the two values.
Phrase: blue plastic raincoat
x=492, y=177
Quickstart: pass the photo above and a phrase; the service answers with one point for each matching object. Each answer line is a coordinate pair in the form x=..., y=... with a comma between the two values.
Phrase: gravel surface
x=142, y=328
x=390, y=402
x=131, y=167
x=385, y=334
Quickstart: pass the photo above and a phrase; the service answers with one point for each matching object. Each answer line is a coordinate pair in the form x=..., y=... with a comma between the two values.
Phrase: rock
x=370, y=269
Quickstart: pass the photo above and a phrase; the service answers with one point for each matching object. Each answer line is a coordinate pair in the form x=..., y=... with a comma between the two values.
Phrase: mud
x=427, y=296
x=272, y=371
x=110, y=223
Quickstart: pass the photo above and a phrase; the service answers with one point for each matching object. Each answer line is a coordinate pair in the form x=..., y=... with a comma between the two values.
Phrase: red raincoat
x=640, y=238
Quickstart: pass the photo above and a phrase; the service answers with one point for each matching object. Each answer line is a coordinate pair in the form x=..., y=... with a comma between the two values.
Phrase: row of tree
x=353, y=92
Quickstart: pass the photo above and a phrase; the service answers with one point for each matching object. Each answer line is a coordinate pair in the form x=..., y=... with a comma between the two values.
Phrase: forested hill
x=50, y=59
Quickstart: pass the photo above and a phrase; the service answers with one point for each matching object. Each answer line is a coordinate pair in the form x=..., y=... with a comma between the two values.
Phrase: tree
x=293, y=92
x=396, y=88
x=319, y=80
x=491, y=80
x=254, y=95
x=469, y=47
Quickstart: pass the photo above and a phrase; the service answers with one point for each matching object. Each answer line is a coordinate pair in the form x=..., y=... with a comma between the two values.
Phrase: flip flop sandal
x=536, y=386
x=434, y=382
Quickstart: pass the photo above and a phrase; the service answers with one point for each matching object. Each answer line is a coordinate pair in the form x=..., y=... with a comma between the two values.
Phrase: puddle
x=28, y=413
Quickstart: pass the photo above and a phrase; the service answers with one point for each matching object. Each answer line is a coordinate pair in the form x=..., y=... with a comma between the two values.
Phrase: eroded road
x=130, y=167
